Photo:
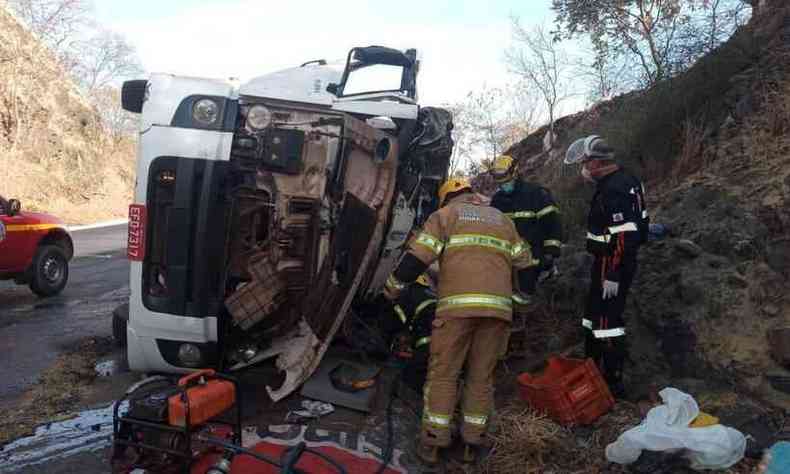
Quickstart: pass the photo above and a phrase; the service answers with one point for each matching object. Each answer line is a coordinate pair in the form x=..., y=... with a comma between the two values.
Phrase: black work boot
x=613, y=360
x=475, y=452
x=429, y=455
x=618, y=390
x=470, y=453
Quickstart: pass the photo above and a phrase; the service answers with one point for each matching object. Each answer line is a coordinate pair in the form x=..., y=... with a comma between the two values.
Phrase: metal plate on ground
x=319, y=386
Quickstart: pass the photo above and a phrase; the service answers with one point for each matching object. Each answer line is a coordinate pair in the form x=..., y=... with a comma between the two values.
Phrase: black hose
x=328, y=459
x=388, y=450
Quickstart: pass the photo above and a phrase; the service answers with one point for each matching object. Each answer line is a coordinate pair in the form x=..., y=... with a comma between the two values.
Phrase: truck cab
x=265, y=212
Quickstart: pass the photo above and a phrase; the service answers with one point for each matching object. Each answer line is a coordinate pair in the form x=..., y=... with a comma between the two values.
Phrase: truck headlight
x=189, y=355
x=259, y=117
x=205, y=112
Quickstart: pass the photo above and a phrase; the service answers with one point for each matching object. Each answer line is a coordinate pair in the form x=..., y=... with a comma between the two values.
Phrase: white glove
x=610, y=289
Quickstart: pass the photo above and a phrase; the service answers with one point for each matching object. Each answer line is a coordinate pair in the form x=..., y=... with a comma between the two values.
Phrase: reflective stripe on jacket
x=536, y=216
x=477, y=247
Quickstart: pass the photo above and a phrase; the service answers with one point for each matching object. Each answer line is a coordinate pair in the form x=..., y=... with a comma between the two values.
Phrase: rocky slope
x=714, y=148
x=54, y=152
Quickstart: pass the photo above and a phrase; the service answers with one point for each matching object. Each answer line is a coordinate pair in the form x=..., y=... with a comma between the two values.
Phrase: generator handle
x=192, y=378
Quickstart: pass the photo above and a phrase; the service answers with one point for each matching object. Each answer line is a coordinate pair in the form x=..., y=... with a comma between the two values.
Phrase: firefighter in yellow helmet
x=536, y=216
x=477, y=248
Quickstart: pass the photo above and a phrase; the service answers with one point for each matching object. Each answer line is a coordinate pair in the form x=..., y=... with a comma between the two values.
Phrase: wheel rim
x=52, y=270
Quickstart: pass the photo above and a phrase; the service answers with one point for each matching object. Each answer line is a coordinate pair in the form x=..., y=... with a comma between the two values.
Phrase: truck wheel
x=120, y=318
x=50, y=271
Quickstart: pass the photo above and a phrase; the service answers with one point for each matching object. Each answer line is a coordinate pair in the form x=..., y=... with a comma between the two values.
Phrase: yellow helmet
x=503, y=169
x=424, y=280
x=453, y=185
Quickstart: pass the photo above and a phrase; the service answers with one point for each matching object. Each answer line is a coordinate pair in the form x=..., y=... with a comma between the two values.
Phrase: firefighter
x=617, y=225
x=477, y=247
x=409, y=329
x=536, y=216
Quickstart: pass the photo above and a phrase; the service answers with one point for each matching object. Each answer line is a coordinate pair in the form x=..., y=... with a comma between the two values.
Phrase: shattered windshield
x=373, y=78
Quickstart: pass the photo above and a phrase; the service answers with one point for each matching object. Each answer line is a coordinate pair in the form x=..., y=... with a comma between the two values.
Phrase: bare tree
x=118, y=122
x=523, y=112
x=540, y=61
x=487, y=122
x=485, y=113
x=104, y=59
x=663, y=37
x=603, y=77
x=57, y=23
x=462, y=148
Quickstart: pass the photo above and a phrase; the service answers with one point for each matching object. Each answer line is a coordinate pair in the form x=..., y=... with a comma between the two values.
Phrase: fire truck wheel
x=120, y=317
x=50, y=271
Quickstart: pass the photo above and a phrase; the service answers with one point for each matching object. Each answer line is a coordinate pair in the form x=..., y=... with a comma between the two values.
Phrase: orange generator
x=161, y=426
x=202, y=398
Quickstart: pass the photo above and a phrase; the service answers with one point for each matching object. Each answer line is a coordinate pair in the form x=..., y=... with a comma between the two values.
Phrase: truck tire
x=120, y=318
x=133, y=95
x=50, y=271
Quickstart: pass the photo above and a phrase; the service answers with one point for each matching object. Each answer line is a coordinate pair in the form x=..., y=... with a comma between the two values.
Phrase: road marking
x=98, y=225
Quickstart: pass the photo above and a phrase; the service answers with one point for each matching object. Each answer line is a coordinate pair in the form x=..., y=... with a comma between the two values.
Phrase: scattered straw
x=523, y=441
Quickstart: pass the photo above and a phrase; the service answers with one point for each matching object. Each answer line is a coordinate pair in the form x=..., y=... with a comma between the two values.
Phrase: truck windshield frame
x=363, y=58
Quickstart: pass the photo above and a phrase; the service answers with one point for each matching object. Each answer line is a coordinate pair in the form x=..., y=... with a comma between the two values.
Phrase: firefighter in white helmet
x=617, y=225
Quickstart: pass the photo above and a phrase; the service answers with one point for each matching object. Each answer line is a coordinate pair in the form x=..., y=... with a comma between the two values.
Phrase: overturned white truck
x=265, y=212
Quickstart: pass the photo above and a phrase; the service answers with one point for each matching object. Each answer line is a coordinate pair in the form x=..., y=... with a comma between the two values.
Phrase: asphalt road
x=34, y=331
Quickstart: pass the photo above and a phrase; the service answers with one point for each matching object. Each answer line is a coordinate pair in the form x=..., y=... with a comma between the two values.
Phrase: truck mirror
x=14, y=207
x=133, y=94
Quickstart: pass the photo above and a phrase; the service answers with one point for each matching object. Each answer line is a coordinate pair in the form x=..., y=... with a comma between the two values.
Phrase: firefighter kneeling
x=477, y=247
x=408, y=329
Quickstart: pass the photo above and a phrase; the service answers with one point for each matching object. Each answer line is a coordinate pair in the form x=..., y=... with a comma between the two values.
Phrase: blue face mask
x=508, y=187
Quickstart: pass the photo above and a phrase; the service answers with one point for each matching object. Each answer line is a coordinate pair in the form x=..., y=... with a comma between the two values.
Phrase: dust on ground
x=71, y=383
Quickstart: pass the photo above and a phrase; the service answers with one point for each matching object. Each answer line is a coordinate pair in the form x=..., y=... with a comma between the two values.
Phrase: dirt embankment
x=713, y=146
x=55, y=155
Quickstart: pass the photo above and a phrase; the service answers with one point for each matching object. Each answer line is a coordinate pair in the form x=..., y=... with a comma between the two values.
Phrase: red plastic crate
x=569, y=391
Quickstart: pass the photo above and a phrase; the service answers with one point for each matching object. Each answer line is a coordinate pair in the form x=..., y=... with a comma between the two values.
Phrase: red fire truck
x=35, y=249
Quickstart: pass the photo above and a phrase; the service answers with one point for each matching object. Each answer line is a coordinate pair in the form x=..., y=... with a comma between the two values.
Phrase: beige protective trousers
x=455, y=341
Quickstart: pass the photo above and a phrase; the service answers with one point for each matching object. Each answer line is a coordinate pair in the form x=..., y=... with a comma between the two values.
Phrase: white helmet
x=590, y=148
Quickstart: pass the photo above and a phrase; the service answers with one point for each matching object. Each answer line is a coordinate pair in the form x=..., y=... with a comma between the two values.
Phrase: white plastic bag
x=666, y=428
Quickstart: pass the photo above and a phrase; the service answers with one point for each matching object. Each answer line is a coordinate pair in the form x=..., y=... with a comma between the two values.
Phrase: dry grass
x=691, y=158
x=524, y=441
x=96, y=188
x=767, y=134
x=528, y=442
x=60, y=388
x=55, y=155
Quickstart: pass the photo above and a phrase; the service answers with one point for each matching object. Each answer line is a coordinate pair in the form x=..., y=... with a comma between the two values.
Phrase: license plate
x=135, y=245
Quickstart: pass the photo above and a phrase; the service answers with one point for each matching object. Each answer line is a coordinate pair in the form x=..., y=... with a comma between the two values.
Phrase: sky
x=461, y=43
